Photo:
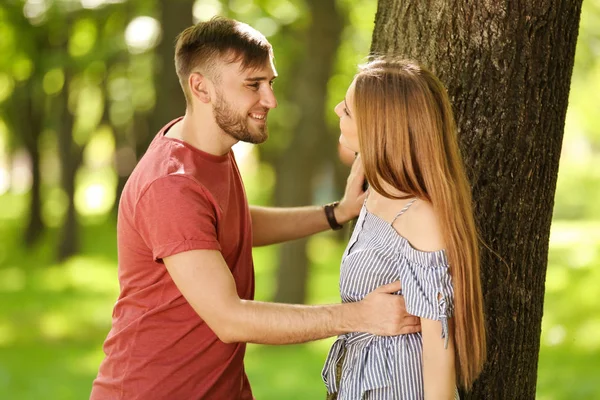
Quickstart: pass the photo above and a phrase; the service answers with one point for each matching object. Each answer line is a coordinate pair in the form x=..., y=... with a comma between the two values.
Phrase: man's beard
x=236, y=125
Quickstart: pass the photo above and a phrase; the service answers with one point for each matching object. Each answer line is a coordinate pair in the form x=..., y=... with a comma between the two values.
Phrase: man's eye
x=254, y=86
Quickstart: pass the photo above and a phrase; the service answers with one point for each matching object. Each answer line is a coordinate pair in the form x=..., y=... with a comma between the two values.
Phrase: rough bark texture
x=301, y=162
x=507, y=66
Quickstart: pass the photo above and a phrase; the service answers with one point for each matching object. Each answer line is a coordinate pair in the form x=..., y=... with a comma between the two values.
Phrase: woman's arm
x=421, y=226
x=439, y=372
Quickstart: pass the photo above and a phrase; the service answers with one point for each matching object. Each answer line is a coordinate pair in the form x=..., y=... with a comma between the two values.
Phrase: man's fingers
x=357, y=166
x=390, y=287
x=409, y=329
x=411, y=320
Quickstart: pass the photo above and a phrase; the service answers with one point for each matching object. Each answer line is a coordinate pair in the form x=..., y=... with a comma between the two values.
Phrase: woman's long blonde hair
x=407, y=136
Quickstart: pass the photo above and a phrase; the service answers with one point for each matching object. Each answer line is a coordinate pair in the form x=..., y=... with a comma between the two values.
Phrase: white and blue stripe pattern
x=378, y=367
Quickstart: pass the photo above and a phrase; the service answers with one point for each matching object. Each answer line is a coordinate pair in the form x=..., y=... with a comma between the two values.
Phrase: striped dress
x=379, y=367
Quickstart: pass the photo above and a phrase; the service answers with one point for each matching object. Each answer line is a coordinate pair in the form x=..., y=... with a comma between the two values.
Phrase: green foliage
x=578, y=190
x=570, y=344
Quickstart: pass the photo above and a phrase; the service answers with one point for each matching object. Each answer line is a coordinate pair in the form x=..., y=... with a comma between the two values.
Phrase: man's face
x=243, y=99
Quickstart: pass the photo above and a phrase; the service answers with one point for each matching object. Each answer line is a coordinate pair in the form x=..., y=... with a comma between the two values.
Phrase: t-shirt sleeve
x=176, y=214
x=427, y=287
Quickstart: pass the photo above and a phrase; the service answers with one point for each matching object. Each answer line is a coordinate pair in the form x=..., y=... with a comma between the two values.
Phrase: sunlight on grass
x=322, y=248
x=583, y=255
x=56, y=325
x=557, y=279
x=12, y=279
x=588, y=334
x=7, y=334
x=88, y=362
x=570, y=340
x=13, y=206
x=53, y=279
x=54, y=207
x=92, y=274
x=84, y=273
x=265, y=261
x=286, y=372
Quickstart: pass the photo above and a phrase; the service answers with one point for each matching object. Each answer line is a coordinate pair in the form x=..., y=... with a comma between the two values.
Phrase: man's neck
x=202, y=133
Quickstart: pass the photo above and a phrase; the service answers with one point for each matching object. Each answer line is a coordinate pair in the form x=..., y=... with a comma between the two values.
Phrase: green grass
x=54, y=318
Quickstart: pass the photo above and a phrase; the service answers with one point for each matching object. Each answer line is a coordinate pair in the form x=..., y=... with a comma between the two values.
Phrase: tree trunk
x=298, y=166
x=35, y=226
x=30, y=129
x=26, y=119
x=507, y=66
x=71, y=157
x=175, y=16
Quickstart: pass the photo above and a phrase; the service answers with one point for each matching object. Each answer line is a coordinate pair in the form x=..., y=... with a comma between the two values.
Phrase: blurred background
x=85, y=85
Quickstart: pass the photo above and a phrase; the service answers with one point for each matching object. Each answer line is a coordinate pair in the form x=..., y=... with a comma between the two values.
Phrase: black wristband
x=331, y=216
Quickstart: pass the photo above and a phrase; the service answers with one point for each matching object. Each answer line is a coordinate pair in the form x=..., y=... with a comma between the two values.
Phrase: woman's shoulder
x=419, y=224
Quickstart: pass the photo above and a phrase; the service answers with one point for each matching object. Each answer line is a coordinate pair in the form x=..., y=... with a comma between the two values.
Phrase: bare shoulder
x=420, y=226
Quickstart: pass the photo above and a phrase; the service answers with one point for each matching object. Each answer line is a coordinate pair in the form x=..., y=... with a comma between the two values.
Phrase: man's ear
x=198, y=85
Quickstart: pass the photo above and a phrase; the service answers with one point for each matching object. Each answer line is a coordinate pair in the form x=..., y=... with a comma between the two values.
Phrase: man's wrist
x=352, y=319
x=344, y=212
x=330, y=214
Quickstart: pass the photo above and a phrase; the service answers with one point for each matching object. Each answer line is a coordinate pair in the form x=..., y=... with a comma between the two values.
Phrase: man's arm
x=272, y=225
x=204, y=279
x=275, y=225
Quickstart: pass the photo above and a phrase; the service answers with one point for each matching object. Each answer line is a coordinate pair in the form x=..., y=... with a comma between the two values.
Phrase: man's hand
x=354, y=195
x=385, y=313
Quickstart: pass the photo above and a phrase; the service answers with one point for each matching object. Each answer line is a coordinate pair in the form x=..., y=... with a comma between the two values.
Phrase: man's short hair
x=201, y=47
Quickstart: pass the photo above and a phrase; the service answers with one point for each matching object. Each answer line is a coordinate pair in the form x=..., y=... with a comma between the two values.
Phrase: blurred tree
x=507, y=66
x=122, y=129
x=175, y=16
x=24, y=111
x=80, y=54
x=310, y=145
x=69, y=152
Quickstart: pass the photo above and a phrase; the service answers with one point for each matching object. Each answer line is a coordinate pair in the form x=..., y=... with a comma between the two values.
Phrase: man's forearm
x=273, y=323
x=275, y=225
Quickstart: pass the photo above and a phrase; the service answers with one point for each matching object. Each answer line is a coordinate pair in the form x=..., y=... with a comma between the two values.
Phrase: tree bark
x=299, y=164
x=507, y=66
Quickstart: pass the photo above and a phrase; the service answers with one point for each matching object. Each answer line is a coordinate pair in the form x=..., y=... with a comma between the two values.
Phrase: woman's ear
x=198, y=85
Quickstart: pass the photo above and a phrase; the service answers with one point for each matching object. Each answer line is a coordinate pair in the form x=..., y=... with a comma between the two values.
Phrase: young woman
x=416, y=226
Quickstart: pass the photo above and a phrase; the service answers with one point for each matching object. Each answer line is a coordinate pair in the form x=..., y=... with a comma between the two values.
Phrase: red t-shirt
x=178, y=198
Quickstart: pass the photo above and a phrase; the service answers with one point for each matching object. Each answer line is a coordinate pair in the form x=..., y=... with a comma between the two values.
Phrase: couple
x=185, y=236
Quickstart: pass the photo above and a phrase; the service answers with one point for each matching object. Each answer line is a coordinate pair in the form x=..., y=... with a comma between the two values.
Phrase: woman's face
x=345, y=110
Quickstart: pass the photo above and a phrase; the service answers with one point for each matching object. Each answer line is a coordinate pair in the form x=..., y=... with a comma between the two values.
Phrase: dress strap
x=406, y=207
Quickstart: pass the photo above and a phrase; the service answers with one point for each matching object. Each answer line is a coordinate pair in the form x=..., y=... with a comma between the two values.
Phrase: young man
x=185, y=237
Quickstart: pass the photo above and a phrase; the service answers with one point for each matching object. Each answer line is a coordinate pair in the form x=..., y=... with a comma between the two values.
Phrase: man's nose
x=268, y=99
